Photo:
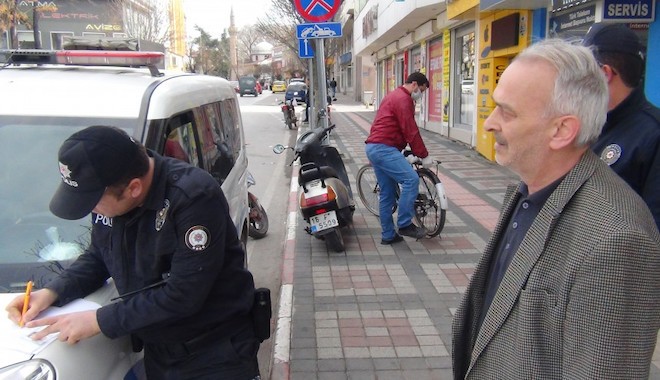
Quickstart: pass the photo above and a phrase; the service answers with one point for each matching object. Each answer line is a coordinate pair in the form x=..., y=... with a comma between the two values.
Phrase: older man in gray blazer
x=569, y=284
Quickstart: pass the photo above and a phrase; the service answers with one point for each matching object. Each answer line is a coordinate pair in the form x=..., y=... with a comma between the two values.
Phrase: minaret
x=232, y=47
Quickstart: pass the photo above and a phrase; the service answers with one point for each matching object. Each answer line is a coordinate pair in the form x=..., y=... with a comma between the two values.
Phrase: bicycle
x=431, y=202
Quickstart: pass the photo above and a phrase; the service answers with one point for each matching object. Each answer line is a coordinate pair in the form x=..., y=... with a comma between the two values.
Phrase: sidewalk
x=384, y=312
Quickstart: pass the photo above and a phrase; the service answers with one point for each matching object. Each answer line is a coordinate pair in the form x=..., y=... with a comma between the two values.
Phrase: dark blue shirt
x=523, y=216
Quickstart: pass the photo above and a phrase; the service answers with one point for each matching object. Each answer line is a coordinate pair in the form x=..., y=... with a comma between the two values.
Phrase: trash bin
x=368, y=98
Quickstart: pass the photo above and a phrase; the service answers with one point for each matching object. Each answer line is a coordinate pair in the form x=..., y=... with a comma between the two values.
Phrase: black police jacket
x=630, y=145
x=183, y=233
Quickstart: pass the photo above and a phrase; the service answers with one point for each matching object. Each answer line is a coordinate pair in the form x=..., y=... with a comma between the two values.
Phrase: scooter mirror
x=279, y=148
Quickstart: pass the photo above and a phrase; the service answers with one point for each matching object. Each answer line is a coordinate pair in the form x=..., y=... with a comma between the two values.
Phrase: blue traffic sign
x=319, y=30
x=317, y=10
x=305, y=49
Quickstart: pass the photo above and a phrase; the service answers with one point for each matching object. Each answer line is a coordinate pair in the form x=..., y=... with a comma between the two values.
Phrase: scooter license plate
x=323, y=221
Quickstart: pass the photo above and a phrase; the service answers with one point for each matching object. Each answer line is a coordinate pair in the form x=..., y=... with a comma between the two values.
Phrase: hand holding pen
x=22, y=312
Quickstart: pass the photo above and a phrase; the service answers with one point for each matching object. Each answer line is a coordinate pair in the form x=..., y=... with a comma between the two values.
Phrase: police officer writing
x=630, y=141
x=162, y=230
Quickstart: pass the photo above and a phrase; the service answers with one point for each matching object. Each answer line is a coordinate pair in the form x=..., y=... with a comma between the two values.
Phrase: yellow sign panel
x=490, y=71
x=485, y=140
x=457, y=8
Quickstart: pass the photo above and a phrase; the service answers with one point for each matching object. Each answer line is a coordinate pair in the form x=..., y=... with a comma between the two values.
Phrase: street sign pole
x=311, y=114
x=323, y=89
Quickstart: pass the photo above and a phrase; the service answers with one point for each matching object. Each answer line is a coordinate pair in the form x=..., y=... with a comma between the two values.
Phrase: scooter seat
x=310, y=173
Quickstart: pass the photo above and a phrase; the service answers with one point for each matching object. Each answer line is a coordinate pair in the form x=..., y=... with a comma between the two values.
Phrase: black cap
x=616, y=38
x=91, y=160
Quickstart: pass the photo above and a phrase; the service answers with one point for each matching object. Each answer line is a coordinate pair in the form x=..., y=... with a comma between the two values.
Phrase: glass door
x=463, y=84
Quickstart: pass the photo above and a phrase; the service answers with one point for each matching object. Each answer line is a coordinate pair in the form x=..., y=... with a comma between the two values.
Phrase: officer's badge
x=611, y=154
x=197, y=238
x=162, y=215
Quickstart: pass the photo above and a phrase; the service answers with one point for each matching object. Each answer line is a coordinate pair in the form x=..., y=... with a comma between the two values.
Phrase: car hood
x=16, y=346
x=10, y=352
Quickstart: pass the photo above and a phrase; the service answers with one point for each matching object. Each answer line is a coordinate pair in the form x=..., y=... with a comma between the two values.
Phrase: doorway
x=464, y=87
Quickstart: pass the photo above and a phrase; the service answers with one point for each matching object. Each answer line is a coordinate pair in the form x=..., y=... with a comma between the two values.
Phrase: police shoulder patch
x=611, y=154
x=197, y=238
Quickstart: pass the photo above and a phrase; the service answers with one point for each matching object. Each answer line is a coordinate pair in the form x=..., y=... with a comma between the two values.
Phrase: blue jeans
x=392, y=170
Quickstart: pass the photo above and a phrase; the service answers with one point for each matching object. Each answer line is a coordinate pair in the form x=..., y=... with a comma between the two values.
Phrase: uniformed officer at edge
x=172, y=250
x=630, y=141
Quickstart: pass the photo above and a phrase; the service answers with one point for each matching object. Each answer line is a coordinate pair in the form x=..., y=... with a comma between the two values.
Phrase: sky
x=213, y=15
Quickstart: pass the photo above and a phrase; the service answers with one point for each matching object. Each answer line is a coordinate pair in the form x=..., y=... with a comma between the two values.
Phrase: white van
x=47, y=96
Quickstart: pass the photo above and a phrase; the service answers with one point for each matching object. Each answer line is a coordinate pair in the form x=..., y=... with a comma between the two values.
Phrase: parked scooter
x=289, y=111
x=325, y=197
x=258, y=218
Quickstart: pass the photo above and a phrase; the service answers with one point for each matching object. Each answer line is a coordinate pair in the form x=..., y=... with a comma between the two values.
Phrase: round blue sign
x=317, y=10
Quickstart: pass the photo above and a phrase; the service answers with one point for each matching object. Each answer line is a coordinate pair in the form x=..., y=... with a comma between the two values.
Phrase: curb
x=282, y=344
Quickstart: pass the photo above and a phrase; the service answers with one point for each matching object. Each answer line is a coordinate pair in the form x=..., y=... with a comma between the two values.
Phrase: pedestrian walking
x=630, y=141
x=568, y=285
x=333, y=88
x=162, y=230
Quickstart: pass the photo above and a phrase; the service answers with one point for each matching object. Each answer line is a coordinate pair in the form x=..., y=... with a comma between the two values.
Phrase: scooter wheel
x=335, y=240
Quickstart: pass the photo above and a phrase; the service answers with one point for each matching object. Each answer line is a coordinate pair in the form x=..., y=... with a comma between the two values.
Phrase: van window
x=181, y=143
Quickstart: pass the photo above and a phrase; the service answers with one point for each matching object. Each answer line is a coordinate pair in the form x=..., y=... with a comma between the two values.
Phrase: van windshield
x=247, y=81
x=35, y=243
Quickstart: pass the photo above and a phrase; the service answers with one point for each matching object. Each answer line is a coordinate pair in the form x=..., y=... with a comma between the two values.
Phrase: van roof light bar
x=84, y=58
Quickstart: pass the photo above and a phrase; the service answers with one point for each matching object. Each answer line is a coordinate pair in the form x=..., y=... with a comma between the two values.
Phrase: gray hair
x=580, y=85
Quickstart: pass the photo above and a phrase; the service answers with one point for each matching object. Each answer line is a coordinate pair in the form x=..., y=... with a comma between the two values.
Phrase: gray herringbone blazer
x=581, y=297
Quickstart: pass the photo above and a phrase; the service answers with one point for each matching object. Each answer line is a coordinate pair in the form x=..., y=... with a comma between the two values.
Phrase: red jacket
x=395, y=123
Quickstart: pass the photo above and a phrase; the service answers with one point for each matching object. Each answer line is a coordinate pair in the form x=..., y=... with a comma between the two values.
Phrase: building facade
x=463, y=46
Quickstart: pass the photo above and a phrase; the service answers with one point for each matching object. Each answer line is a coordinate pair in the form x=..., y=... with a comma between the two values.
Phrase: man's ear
x=566, y=129
x=609, y=72
x=135, y=188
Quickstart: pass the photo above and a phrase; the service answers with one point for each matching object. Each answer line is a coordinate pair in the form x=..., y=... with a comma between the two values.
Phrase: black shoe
x=412, y=231
x=396, y=239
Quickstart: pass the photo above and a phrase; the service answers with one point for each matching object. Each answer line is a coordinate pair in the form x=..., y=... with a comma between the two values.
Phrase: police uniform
x=180, y=266
x=630, y=145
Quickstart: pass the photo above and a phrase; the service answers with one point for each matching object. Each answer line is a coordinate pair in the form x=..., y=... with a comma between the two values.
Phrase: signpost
x=319, y=30
x=316, y=12
x=305, y=48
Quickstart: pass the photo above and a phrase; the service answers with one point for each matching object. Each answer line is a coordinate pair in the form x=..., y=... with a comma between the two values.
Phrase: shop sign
x=629, y=10
x=573, y=23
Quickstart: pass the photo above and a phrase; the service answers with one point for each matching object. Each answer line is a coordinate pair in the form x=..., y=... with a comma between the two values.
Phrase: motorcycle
x=258, y=218
x=289, y=111
x=325, y=198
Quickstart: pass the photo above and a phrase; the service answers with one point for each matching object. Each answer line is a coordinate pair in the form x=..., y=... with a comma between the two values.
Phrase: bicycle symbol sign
x=317, y=10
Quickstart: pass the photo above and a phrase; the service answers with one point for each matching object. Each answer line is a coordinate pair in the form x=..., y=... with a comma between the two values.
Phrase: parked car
x=195, y=118
x=278, y=86
x=248, y=85
x=297, y=91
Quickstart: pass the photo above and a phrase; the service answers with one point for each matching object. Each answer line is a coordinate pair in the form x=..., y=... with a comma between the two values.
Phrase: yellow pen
x=26, y=301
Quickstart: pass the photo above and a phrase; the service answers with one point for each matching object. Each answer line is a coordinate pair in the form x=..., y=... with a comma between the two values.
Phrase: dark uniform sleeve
x=197, y=268
x=87, y=274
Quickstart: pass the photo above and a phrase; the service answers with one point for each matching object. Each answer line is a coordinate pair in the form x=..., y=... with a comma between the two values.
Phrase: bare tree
x=145, y=19
x=248, y=37
x=10, y=16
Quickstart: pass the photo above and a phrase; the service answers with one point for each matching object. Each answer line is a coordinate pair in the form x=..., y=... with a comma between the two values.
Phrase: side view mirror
x=279, y=148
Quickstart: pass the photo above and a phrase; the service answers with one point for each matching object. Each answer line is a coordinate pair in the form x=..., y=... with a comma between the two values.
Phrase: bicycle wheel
x=368, y=188
x=428, y=210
